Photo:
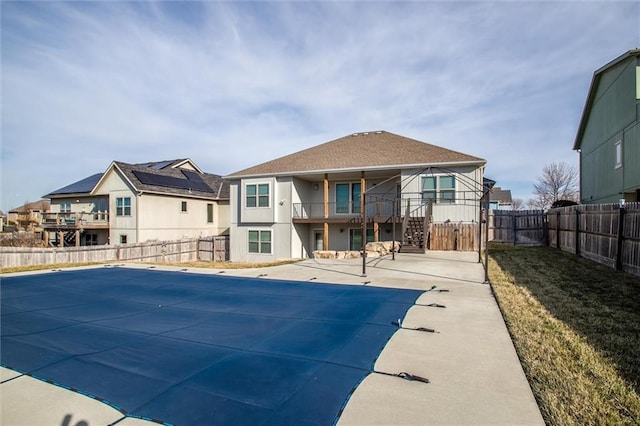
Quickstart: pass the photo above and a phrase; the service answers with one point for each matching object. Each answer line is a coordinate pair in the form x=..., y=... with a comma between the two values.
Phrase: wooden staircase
x=413, y=237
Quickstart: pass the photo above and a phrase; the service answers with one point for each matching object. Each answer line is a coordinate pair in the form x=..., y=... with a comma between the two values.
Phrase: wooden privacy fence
x=157, y=251
x=213, y=249
x=606, y=233
x=518, y=227
x=453, y=236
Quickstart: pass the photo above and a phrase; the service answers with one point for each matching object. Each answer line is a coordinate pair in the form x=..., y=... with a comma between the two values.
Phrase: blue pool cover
x=191, y=349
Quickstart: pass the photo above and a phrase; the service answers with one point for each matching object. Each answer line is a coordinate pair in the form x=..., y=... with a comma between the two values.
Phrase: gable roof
x=173, y=177
x=40, y=205
x=592, y=92
x=502, y=196
x=360, y=151
x=174, y=180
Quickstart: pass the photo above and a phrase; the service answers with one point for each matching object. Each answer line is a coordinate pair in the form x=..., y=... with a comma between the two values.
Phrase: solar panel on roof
x=191, y=175
x=161, y=165
x=171, y=182
x=81, y=186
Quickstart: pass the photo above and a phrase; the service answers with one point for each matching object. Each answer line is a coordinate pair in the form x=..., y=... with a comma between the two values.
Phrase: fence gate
x=518, y=227
x=213, y=249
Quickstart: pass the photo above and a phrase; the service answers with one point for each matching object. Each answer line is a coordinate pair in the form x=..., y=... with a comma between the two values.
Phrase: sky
x=234, y=84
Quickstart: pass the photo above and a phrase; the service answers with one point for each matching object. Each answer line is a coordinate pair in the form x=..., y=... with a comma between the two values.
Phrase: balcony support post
x=325, y=230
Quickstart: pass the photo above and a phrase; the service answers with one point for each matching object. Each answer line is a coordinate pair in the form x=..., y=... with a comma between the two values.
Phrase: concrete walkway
x=475, y=377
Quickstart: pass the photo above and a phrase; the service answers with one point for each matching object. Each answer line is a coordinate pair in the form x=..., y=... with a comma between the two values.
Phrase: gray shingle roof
x=379, y=149
x=502, y=196
x=219, y=187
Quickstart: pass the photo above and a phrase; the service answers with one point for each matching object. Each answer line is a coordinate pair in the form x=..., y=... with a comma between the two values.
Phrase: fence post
x=197, y=249
x=515, y=227
x=620, y=238
x=577, y=232
x=558, y=229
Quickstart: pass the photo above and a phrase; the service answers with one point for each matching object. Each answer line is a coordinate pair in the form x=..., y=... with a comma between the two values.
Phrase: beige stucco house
x=318, y=198
x=130, y=203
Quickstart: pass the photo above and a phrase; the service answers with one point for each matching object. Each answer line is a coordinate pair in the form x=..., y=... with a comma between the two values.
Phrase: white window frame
x=618, y=154
x=121, y=210
x=65, y=207
x=257, y=195
x=438, y=190
x=260, y=241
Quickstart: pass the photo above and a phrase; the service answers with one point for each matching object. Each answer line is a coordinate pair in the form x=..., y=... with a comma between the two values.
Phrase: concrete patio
x=466, y=353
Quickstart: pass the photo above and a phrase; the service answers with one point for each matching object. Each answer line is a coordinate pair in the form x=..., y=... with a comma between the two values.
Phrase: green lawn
x=576, y=327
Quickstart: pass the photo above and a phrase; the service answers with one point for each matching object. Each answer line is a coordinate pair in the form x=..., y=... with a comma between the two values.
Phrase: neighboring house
x=129, y=203
x=313, y=199
x=28, y=217
x=608, y=138
x=1, y=221
x=500, y=199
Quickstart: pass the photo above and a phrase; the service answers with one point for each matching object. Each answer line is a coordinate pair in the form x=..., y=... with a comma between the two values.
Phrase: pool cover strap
x=406, y=376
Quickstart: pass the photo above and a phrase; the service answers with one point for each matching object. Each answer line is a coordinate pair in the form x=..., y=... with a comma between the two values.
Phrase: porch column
x=325, y=230
x=363, y=215
x=77, y=238
x=61, y=239
x=376, y=231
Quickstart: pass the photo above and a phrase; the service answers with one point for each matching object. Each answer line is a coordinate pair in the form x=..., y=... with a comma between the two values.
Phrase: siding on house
x=392, y=166
x=611, y=117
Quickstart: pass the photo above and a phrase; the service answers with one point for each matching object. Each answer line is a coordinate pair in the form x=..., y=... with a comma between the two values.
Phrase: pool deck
x=475, y=377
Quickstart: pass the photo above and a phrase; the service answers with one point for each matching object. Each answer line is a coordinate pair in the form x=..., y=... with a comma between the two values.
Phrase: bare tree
x=517, y=204
x=559, y=181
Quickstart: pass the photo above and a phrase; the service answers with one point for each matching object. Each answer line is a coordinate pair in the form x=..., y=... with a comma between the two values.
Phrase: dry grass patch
x=576, y=327
x=205, y=265
x=14, y=269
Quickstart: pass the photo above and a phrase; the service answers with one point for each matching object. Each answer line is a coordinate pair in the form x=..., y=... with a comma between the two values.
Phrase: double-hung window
x=439, y=189
x=260, y=242
x=65, y=207
x=123, y=206
x=258, y=195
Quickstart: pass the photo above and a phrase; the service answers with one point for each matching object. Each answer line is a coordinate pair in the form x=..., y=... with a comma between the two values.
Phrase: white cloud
x=234, y=84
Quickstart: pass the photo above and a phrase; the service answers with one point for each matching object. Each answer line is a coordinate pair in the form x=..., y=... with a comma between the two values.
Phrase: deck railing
x=375, y=208
x=75, y=219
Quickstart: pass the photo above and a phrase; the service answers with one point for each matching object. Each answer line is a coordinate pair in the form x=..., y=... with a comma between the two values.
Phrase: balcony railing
x=75, y=219
x=374, y=208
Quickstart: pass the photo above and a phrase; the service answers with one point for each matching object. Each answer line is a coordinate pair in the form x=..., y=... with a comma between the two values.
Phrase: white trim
x=618, y=154
x=257, y=206
x=478, y=163
x=259, y=231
